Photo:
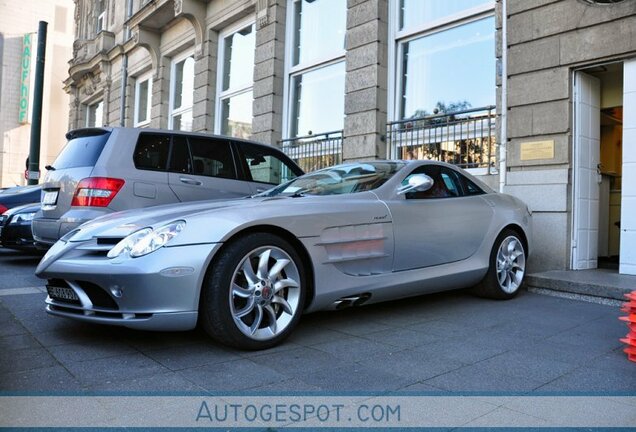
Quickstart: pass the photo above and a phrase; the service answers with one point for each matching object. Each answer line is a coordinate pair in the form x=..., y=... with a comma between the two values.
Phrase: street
x=436, y=343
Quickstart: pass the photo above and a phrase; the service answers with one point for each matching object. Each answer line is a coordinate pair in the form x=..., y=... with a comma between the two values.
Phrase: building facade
x=18, y=47
x=493, y=86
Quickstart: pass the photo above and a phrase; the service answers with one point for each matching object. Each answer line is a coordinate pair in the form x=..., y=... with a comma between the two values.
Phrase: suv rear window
x=81, y=151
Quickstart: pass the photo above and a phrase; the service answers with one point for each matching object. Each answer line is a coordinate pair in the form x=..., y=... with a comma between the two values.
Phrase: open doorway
x=598, y=167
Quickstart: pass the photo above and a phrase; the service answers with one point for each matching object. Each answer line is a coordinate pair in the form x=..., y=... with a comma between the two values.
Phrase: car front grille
x=99, y=297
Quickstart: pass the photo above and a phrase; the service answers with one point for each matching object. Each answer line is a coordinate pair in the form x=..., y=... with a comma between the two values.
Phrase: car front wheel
x=507, y=268
x=253, y=294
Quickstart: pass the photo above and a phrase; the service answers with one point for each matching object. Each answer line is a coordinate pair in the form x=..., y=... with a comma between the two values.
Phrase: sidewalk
x=445, y=342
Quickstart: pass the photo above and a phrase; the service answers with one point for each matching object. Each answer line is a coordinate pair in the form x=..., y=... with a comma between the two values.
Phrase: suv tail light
x=2, y=209
x=96, y=191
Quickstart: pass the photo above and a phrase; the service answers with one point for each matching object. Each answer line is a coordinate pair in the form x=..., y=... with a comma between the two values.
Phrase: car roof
x=98, y=130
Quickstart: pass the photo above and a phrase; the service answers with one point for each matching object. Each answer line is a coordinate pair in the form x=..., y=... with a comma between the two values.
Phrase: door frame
x=576, y=149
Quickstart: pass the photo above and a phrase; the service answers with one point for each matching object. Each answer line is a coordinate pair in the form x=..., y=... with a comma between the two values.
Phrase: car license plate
x=62, y=293
x=49, y=198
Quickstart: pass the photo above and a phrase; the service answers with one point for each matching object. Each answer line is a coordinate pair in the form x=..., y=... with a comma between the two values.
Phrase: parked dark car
x=15, y=227
x=19, y=195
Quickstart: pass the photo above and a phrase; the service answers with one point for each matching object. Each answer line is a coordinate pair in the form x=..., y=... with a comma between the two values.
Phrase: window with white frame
x=235, y=81
x=181, y=93
x=445, y=56
x=95, y=114
x=316, y=67
x=100, y=13
x=143, y=100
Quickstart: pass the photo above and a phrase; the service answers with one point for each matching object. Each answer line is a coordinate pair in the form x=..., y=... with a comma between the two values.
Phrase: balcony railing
x=463, y=138
x=314, y=152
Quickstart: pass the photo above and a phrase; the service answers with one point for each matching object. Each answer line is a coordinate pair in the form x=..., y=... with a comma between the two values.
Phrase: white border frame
x=138, y=80
x=171, y=111
x=220, y=94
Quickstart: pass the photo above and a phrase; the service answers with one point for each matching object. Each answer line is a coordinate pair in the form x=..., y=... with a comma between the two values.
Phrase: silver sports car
x=247, y=269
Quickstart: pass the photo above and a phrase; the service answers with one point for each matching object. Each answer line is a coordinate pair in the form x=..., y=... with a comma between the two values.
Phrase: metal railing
x=463, y=138
x=314, y=152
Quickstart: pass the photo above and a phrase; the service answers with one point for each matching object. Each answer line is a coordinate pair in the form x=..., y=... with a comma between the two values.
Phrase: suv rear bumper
x=46, y=231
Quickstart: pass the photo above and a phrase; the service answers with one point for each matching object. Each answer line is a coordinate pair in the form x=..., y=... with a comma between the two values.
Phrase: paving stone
x=587, y=379
x=447, y=329
x=90, y=350
x=481, y=378
x=530, y=366
x=290, y=385
x=18, y=342
x=354, y=349
x=148, y=341
x=163, y=382
x=413, y=365
x=308, y=335
x=22, y=302
x=464, y=350
x=356, y=377
x=11, y=326
x=190, y=356
x=299, y=362
x=231, y=376
x=25, y=359
x=108, y=370
x=403, y=338
x=54, y=378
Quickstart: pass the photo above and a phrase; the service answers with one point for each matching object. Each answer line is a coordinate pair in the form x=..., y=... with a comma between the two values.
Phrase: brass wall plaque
x=537, y=150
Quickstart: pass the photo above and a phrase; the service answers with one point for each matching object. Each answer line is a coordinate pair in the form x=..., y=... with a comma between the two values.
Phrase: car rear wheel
x=253, y=294
x=507, y=268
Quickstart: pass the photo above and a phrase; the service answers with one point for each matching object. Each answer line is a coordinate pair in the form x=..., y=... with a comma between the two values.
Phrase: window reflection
x=95, y=115
x=183, y=83
x=450, y=70
x=238, y=62
x=237, y=115
x=182, y=95
x=319, y=100
x=419, y=12
x=319, y=30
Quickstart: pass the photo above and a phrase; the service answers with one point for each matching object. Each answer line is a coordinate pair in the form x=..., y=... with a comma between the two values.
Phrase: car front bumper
x=17, y=236
x=159, y=291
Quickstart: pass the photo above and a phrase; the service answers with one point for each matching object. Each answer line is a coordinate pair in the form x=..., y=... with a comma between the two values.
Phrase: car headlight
x=146, y=240
x=21, y=218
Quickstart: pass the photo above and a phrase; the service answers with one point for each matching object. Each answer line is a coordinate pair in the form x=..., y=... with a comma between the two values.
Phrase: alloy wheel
x=265, y=293
x=511, y=264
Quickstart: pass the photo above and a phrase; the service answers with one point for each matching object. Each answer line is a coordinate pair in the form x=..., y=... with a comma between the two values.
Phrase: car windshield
x=339, y=179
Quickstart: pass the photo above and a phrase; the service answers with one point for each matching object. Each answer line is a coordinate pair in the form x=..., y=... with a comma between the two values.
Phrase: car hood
x=121, y=224
x=215, y=221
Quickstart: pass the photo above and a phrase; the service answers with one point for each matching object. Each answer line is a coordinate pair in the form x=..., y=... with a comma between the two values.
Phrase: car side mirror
x=417, y=183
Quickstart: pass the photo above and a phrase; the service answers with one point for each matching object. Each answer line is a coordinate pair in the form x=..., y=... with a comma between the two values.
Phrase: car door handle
x=190, y=181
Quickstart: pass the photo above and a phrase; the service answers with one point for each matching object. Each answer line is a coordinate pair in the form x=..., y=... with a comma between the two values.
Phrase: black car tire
x=218, y=314
x=504, y=264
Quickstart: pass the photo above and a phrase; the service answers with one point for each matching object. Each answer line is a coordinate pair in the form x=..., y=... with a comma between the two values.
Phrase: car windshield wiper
x=50, y=167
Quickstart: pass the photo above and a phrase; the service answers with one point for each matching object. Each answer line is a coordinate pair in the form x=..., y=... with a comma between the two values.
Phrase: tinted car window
x=445, y=183
x=471, y=188
x=265, y=166
x=180, y=157
x=81, y=151
x=212, y=158
x=151, y=152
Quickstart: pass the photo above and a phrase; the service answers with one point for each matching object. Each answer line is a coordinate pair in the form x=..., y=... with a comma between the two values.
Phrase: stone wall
x=547, y=40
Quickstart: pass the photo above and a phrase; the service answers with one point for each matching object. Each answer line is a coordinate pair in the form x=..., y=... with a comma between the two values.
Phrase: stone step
x=596, y=283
